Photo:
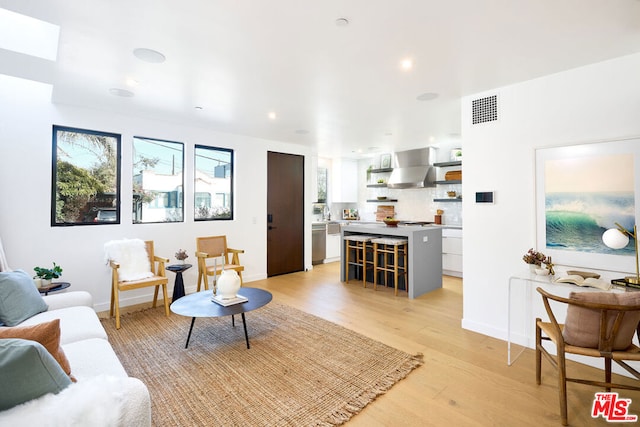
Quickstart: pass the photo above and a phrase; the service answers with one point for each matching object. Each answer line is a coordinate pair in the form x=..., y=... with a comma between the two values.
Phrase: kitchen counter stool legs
x=390, y=256
x=360, y=246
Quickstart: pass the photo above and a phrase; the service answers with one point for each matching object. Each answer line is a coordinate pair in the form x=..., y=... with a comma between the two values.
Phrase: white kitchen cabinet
x=452, y=252
x=344, y=183
x=333, y=247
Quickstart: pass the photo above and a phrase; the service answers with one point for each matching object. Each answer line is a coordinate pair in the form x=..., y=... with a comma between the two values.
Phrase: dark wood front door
x=285, y=213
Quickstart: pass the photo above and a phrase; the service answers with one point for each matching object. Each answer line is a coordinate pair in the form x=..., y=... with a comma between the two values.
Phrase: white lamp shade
x=615, y=239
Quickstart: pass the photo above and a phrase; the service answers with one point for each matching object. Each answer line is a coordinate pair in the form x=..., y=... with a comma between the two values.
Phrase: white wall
x=26, y=118
x=599, y=102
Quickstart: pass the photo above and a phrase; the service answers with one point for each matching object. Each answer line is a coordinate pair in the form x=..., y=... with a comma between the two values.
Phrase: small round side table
x=178, y=286
x=54, y=287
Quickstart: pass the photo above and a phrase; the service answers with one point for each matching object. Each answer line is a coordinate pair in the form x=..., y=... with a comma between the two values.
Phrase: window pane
x=157, y=180
x=213, y=183
x=86, y=177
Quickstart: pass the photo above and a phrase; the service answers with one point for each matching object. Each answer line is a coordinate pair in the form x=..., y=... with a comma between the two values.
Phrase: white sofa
x=104, y=395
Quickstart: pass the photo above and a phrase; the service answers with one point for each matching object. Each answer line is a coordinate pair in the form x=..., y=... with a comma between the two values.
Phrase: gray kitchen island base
x=424, y=253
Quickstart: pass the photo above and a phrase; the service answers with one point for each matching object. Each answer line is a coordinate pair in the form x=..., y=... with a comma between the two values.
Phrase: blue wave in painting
x=576, y=221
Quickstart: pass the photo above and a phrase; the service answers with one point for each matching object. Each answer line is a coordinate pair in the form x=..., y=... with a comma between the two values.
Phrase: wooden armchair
x=156, y=277
x=216, y=247
x=598, y=324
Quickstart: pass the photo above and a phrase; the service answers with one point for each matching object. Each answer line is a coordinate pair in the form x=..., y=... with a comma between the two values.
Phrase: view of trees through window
x=157, y=180
x=213, y=198
x=86, y=177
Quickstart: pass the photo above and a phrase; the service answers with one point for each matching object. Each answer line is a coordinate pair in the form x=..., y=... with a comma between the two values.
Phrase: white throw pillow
x=132, y=256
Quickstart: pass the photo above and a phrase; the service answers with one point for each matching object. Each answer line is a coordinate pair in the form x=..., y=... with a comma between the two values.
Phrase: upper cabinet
x=344, y=181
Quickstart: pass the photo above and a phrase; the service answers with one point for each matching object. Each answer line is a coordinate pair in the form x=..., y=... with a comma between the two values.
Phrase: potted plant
x=46, y=275
x=534, y=259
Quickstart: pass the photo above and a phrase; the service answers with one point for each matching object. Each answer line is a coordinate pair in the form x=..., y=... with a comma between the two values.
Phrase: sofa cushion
x=91, y=357
x=76, y=323
x=30, y=371
x=19, y=298
x=47, y=334
x=582, y=325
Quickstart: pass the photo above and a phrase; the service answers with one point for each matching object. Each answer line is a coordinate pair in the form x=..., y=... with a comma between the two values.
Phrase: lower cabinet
x=333, y=247
x=452, y=252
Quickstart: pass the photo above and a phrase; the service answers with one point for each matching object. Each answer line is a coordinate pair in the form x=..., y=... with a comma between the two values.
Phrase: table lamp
x=618, y=238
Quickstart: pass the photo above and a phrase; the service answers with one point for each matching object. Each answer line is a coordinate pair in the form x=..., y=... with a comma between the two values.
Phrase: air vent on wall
x=484, y=109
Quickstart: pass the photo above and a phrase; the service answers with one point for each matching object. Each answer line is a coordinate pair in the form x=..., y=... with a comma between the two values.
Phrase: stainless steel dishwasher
x=318, y=243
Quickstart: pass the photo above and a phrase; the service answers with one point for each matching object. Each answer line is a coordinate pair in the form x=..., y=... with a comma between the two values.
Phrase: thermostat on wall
x=484, y=197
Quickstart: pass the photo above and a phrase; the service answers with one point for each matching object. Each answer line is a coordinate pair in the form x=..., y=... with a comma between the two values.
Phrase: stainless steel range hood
x=411, y=169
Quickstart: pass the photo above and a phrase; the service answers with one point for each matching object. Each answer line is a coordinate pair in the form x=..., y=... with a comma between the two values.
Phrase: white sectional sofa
x=104, y=395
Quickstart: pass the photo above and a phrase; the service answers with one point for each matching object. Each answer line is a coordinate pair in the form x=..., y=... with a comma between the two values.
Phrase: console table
x=523, y=299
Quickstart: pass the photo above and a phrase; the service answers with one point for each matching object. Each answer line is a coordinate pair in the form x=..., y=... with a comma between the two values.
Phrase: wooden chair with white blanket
x=134, y=265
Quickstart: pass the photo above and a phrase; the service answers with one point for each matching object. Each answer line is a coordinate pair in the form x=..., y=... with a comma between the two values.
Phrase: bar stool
x=359, y=243
x=396, y=249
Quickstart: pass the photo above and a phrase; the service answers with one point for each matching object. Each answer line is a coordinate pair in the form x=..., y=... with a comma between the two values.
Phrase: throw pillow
x=27, y=371
x=19, y=298
x=582, y=326
x=47, y=334
x=132, y=256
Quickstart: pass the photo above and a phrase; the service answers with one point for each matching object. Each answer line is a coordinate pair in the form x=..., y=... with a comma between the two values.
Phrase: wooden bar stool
x=360, y=245
x=391, y=251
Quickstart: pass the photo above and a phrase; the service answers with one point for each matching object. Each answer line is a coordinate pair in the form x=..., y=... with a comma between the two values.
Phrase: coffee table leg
x=233, y=320
x=193, y=320
x=246, y=336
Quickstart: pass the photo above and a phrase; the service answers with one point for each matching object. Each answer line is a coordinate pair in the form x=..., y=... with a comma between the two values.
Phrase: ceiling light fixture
x=197, y=107
x=149, y=55
x=427, y=96
x=121, y=92
x=272, y=115
x=342, y=22
x=131, y=82
x=406, y=64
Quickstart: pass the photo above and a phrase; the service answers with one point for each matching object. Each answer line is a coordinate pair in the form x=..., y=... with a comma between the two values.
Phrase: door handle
x=271, y=227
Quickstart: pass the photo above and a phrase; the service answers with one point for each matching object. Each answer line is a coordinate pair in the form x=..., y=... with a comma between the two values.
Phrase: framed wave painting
x=581, y=191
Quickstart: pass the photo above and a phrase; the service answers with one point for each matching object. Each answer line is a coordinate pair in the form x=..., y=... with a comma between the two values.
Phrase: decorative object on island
x=451, y=193
x=391, y=222
x=181, y=255
x=438, y=216
x=534, y=259
x=618, y=238
x=44, y=276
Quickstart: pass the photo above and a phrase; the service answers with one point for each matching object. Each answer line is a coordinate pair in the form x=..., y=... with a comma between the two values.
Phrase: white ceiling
x=241, y=59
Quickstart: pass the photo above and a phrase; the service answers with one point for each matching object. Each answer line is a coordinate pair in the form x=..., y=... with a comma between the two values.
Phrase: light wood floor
x=465, y=380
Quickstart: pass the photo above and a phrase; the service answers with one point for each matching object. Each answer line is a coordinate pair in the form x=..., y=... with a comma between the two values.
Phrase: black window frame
x=54, y=178
x=231, y=182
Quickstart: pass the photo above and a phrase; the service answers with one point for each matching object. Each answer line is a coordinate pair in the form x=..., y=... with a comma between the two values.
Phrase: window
x=213, y=183
x=157, y=180
x=86, y=177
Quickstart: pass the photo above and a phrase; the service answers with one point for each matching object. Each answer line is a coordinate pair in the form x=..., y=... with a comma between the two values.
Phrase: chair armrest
x=202, y=254
x=114, y=264
x=235, y=251
x=68, y=299
x=160, y=259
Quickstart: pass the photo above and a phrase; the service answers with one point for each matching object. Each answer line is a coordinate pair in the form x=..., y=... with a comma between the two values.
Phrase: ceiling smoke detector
x=428, y=96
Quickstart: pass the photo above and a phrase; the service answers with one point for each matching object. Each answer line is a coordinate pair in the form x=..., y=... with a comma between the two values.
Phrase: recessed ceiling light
x=342, y=22
x=149, y=55
x=428, y=96
x=432, y=139
x=388, y=133
x=131, y=82
x=302, y=131
x=197, y=107
x=406, y=63
x=121, y=92
x=272, y=115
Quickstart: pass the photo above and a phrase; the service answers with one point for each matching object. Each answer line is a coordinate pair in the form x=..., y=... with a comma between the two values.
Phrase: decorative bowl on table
x=391, y=222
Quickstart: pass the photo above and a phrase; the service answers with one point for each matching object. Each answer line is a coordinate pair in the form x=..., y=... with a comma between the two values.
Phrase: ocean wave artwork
x=575, y=221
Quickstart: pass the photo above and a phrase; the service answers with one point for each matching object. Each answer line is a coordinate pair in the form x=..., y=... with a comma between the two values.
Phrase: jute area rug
x=300, y=371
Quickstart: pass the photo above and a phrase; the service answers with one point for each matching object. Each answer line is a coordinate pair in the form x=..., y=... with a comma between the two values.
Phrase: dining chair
x=211, y=247
x=597, y=324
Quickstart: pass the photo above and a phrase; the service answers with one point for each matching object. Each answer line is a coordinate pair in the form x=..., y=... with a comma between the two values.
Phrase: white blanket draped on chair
x=3, y=259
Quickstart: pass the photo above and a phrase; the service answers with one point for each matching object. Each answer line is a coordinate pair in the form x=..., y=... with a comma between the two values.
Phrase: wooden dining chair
x=126, y=276
x=216, y=247
x=598, y=324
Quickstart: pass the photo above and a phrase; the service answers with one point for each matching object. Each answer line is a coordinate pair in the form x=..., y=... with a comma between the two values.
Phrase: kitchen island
x=424, y=253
